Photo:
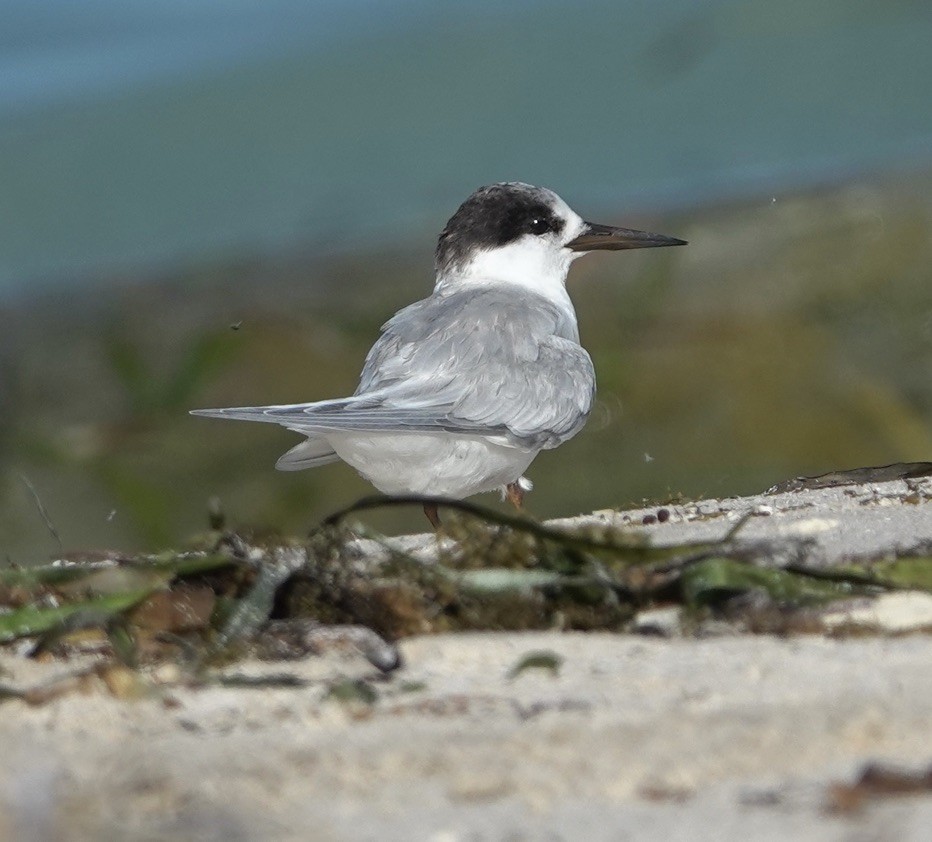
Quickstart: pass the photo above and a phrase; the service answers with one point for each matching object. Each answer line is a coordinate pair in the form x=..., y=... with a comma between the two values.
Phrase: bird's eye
x=540, y=225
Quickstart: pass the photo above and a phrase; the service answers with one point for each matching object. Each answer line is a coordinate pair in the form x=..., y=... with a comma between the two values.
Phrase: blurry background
x=207, y=204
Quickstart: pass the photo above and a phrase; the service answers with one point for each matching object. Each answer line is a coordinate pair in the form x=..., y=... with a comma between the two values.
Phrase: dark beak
x=608, y=237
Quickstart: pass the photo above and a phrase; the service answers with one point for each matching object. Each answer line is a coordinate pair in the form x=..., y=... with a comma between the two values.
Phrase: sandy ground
x=632, y=737
x=726, y=738
x=818, y=527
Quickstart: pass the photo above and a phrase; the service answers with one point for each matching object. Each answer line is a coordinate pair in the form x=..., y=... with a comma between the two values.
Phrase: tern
x=464, y=388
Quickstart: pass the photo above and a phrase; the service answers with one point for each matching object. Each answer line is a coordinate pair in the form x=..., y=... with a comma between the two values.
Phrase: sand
x=629, y=736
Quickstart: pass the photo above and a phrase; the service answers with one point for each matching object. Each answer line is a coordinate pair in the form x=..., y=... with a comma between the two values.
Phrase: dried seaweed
x=351, y=590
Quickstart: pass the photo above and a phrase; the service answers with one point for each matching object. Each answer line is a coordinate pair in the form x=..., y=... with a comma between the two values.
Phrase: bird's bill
x=596, y=237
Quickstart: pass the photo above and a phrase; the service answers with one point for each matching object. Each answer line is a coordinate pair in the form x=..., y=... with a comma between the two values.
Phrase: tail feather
x=308, y=454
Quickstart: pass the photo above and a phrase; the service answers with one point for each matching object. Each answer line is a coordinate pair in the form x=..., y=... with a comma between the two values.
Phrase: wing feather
x=485, y=362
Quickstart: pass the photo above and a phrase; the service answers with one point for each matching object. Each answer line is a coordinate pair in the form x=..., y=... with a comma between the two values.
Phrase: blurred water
x=141, y=137
x=52, y=51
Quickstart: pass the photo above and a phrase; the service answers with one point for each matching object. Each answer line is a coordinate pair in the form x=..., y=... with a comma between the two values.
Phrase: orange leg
x=515, y=493
x=432, y=516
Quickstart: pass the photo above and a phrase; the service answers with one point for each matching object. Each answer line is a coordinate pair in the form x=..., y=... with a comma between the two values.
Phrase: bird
x=464, y=388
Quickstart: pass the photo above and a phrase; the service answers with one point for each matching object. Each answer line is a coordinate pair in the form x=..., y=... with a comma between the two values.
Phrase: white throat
x=538, y=264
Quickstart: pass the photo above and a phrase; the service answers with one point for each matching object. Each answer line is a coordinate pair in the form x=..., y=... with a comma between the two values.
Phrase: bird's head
x=517, y=233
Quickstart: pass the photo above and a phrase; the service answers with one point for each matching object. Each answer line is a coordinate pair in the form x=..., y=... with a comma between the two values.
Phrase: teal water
x=322, y=136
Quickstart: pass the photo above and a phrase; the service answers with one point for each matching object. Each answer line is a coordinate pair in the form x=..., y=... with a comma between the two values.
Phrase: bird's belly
x=441, y=464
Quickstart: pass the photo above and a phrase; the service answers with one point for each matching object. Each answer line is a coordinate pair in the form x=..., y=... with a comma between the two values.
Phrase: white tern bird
x=463, y=389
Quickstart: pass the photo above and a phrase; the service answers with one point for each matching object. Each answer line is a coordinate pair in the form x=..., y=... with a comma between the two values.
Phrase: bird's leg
x=515, y=494
x=431, y=511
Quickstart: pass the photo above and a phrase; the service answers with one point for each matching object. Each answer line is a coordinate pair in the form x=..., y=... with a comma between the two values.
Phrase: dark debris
x=877, y=782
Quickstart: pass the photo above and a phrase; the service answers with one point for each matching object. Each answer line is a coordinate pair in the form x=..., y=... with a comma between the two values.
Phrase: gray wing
x=484, y=362
x=504, y=361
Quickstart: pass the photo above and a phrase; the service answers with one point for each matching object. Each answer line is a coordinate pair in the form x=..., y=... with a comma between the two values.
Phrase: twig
x=531, y=527
x=521, y=524
x=43, y=513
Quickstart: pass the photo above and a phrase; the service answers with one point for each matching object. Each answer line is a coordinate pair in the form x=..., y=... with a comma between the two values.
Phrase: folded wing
x=483, y=362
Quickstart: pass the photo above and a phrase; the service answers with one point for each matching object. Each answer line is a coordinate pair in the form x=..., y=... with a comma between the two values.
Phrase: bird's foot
x=432, y=515
x=516, y=490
